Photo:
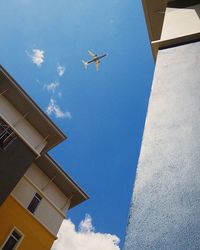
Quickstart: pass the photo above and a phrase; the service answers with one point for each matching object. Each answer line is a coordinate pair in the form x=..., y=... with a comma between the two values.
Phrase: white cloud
x=53, y=108
x=86, y=225
x=61, y=70
x=52, y=86
x=85, y=238
x=37, y=56
x=60, y=94
x=38, y=82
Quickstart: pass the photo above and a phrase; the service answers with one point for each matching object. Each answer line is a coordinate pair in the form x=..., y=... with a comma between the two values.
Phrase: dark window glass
x=7, y=135
x=34, y=203
x=12, y=241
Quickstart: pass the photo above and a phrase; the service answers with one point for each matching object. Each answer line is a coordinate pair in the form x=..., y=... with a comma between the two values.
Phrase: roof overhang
x=154, y=11
x=62, y=180
x=24, y=104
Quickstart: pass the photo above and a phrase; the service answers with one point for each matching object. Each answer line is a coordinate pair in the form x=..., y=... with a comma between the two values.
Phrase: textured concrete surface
x=165, y=208
x=14, y=161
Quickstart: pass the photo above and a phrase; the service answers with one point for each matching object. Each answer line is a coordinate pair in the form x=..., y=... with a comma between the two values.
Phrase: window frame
x=10, y=234
x=38, y=197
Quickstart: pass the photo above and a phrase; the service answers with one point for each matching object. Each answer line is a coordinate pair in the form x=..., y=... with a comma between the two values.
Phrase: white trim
x=18, y=242
x=3, y=92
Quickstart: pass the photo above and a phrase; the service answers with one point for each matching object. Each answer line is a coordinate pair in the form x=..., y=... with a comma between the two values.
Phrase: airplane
x=95, y=58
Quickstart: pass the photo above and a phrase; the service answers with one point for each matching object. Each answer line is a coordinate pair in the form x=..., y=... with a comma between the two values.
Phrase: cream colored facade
x=181, y=22
x=21, y=126
x=54, y=203
x=46, y=185
x=23, y=114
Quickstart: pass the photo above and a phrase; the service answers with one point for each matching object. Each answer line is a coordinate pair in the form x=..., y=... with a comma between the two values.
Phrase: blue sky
x=102, y=113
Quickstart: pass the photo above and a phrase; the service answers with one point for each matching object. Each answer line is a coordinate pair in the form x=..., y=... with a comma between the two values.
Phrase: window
x=7, y=135
x=12, y=241
x=34, y=203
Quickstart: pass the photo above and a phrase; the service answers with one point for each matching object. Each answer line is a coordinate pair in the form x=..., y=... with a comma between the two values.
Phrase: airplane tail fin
x=85, y=64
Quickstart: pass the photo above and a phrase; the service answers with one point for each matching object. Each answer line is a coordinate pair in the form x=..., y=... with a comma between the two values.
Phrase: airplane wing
x=97, y=65
x=92, y=54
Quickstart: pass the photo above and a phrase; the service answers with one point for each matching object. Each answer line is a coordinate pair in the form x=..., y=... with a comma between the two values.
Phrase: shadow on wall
x=186, y=4
x=182, y=3
x=197, y=9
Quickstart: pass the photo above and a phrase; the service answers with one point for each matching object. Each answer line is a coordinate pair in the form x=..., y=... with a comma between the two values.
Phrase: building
x=164, y=211
x=37, y=205
x=25, y=133
x=35, y=193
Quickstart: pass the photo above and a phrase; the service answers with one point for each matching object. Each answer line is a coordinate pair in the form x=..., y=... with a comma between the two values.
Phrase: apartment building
x=25, y=132
x=164, y=211
x=35, y=193
x=32, y=214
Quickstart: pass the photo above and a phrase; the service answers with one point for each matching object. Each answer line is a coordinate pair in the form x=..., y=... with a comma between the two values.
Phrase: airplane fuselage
x=97, y=58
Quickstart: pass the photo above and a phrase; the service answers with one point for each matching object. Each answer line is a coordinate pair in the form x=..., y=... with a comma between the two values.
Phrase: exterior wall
x=35, y=235
x=49, y=208
x=49, y=216
x=181, y=22
x=14, y=161
x=49, y=188
x=164, y=213
x=21, y=126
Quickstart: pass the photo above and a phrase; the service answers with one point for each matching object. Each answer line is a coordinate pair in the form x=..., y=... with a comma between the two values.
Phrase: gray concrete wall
x=165, y=208
x=14, y=161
